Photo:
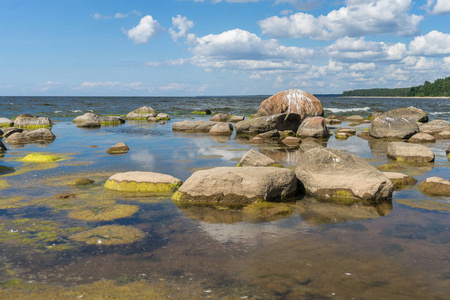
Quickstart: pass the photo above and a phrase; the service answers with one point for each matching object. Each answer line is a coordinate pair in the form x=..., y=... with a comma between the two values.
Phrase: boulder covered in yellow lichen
x=143, y=182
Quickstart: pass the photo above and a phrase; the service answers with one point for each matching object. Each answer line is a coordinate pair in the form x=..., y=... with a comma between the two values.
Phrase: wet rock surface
x=393, y=127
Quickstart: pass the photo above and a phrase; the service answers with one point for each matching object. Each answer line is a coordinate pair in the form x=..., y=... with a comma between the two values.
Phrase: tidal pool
x=62, y=240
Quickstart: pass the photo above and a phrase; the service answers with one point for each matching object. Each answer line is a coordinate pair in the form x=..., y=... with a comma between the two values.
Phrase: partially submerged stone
x=254, y=158
x=103, y=212
x=435, y=126
x=292, y=101
x=119, y=148
x=355, y=119
x=411, y=112
x=109, y=235
x=143, y=182
x=291, y=141
x=163, y=116
x=333, y=121
x=399, y=179
x=393, y=127
x=193, y=126
x=313, y=127
x=237, y=186
x=436, y=186
x=81, y=182
x=341, y=177
x=443, y=135
x=221, y=128
x=262, y=124
x=41, y=158
x=33, y=136
x=422, y=138
x=110, y=120
x=5, y=122
x=407, y=152
x=89, y=124
x=142, y=113
x=220, y=117
x=32, y=122
x=235, y=119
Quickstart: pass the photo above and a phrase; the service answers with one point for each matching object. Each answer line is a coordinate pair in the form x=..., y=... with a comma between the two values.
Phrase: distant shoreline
x=440, y=97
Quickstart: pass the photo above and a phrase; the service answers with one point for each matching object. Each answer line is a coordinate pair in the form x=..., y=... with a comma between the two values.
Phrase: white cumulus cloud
x=438, y=6
x=358, y=18
x=180, y=28
x=433, y=43
x=144, y=31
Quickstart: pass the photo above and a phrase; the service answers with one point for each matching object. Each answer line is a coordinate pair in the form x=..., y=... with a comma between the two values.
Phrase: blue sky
x=219, y=47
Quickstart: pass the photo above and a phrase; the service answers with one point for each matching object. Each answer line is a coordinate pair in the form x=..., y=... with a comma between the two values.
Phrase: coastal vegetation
x=439, y=88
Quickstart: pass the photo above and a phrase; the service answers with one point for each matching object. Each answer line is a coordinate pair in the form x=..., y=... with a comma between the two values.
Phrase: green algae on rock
x=12, y=202
x=81, y=182
x=4, y=184
x=143, y=182
x=435, y=186
x=41, y=158
x=109, y=235
x=104, y=212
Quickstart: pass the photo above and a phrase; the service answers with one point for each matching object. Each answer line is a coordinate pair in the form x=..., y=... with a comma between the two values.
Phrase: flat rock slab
x=237, y=186
x=193, y=126
x=422, y=138
x=435, y=126
x=407, y=152
x=142, y=182
x=341, y=177
x=436, y=186
x=400, y=179
x=411, y=112
x=393, y=127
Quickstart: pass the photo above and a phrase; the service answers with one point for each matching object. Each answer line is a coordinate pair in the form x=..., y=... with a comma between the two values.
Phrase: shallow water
x=306, y=249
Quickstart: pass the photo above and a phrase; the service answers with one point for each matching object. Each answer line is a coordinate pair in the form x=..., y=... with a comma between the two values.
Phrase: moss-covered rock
x=41, y=158
x=399, y=179
x=81, y=182
x=103, y=212
x=109, y=235
x=143, y=182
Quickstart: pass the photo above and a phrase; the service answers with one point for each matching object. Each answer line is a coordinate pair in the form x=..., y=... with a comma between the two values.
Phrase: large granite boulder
x=436, y=186
x=393, y=127
x=408, y=152
x=313, y=127
x=237, y=186
x=33, y=136
x=4, y=122
x=221, y=128
x=254, y=158
x=142, y=182
x=258, y=125
x=32, y=122
x=292, y=101
x=142, y=113
x=435, y=126
x=411, y=112
x=341, y=177
x=193, y=126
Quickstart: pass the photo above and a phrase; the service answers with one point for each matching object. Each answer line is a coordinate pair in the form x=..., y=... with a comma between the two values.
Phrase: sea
x=60, y=240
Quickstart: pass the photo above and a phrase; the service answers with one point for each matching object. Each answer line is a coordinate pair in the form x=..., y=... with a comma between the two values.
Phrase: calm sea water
x=299, y=250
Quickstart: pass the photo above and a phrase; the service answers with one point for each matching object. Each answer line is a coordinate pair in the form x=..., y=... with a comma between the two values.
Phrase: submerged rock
x=400, y=179
x=341, y=177
x=435, y=126
x=142, y=182
x=193, y=126
x=41, y=158
x=103, y=212
x=411, y=112
x=142, y=113
x=313, y=127
x=81, y=182
x=436, y=186
x=406, y=152
x=258, y=125
x=109, y=235
x=235, y=186
x=119, y=148
x=255, y=159
x=393, y=127
x=292, y=101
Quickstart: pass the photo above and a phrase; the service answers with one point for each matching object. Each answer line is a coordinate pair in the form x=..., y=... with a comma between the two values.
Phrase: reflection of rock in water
x=378, y=147
x=411, y=169
x=316, y=213
x=285, y=156
x=220, y=138
x=426, y=204
x=244, y=225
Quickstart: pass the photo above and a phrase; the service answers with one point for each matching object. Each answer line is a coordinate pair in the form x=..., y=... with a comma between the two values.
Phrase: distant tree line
x=439, y=88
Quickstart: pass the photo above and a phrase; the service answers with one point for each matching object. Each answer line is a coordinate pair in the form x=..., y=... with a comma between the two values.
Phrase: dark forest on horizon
x=439, y=88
